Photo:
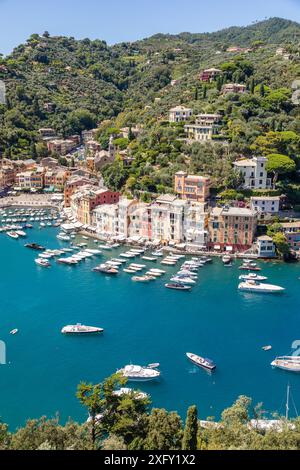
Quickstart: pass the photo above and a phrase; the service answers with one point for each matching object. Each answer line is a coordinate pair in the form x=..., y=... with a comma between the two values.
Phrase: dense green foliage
x=92, y=84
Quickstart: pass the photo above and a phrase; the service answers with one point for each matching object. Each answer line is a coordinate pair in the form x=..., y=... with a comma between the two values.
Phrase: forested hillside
x=92, y=85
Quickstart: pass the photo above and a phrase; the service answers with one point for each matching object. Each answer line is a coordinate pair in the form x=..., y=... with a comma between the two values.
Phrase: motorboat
x=35, y=246
x=127, y=255
x=80, y=329
x=248, y=267
x=13, y=235
x=205, y=259
x=130, y=391
x=103, y=268
x=226, y=259
x=68, y=261
x=155, y=270
x=142, y=278
x=115, y=245
x=149, y=258
x=93, y=252
x=267, y=348
x=201, y=361
x=157, y=253
x=149, y=273
x=252, y=276
x=138, y=373
x=42, y=262
x=290, y=363
x=177, y=286
x=21, y=233
x=183, y=279
x=186, y=272
x=105, y=247
x=45, y=255
x=254, y=286
x=14, y=331
x=63, y=237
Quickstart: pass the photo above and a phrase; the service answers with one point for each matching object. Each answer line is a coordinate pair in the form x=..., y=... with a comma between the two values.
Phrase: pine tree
x=189, y=441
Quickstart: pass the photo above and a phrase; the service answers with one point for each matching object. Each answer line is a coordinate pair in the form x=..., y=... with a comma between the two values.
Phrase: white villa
x=254, y=173
x=265, y=247
x=265, y=204
x=204, y=128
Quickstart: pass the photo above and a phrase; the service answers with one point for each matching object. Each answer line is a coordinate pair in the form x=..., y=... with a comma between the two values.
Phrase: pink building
x=140, y=220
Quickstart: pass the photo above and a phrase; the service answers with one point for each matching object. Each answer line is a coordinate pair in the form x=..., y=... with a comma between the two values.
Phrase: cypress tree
x=189, y=441
x=33, y=151
x=262, y=90
x=252, y=86
x=219, y=83
x=196, y=94
x=130, y=134
x=204, y=91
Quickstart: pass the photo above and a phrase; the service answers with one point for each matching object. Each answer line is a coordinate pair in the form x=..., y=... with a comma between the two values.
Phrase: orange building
x=87, y=198
x=7, y=176
x=72, y=185
x=56, y=178
x=192, y=187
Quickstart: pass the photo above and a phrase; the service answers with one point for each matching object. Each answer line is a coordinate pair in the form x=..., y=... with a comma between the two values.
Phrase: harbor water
x=143, y=323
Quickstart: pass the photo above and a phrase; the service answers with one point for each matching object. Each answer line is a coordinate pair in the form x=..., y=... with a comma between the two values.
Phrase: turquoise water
x=143, y=323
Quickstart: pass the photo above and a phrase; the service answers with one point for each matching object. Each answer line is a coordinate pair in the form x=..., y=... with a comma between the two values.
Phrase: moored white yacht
x=42, y=262
x=290, y=363
x=80, y=329
x=139, y=373
x=201, y=361
x=183, y=279
x=21, y=233
x=63, y=237
x=128, y=391
x=12, y=235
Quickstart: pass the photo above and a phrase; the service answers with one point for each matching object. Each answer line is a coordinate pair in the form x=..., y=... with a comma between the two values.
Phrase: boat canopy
x=229, y=248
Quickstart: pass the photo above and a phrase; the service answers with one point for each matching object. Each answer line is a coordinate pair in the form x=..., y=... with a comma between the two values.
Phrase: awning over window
x=229, y=248
x=217, y=247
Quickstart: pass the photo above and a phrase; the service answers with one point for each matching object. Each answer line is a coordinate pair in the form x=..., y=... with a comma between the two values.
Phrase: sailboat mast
x=287, y=402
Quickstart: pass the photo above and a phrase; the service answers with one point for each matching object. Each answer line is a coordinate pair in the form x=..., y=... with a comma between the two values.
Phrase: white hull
x=260, y=288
